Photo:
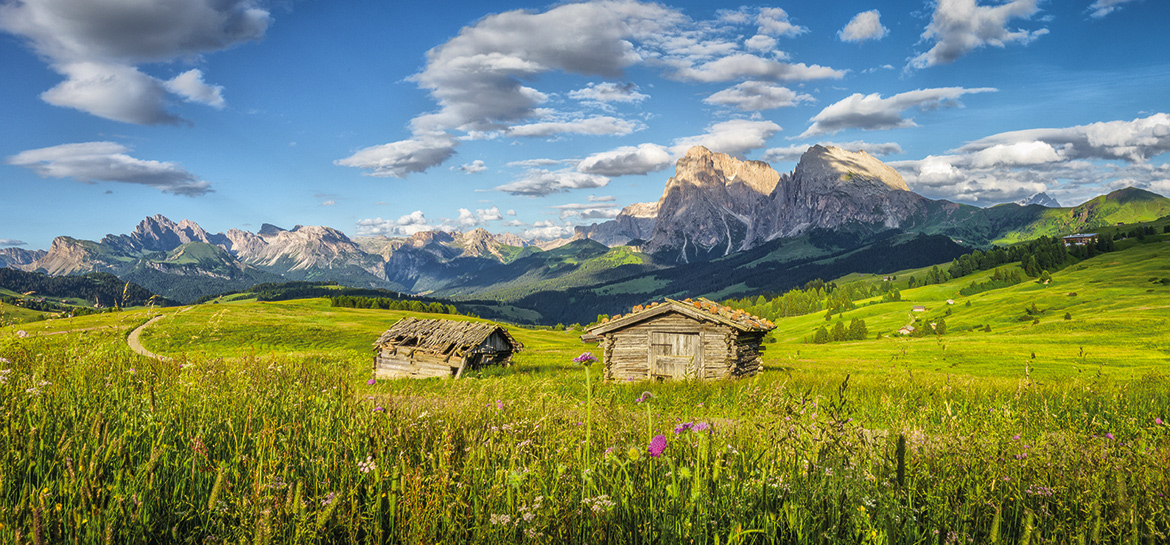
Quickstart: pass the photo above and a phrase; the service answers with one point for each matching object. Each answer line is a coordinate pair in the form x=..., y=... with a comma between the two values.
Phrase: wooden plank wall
x=388, y=364
x=628, y=351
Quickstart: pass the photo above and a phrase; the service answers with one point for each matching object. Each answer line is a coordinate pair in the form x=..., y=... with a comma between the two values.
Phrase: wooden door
x=675, y=355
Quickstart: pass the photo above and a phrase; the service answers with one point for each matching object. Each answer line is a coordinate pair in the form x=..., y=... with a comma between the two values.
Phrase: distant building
x=919, y=308
x=906, y=330
x=1079, y=239
x=950, y=301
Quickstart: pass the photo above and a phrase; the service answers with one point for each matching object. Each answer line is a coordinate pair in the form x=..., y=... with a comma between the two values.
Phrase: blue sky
x=379, y=118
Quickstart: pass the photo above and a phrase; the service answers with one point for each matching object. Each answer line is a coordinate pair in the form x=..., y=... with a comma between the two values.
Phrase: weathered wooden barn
x=423, y=348
x=681, y=339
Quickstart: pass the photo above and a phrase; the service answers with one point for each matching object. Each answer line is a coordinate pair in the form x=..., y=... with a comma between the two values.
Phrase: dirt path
x=135, y=342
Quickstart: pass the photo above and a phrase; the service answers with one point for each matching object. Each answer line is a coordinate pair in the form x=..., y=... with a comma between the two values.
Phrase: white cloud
x=744, y=65
x=775, y=21
x=603, y=198
x=866, y=25
x=510, y=212
x=530, y=163
x=627, y=160
x=872, y=112
x=734, y=137
x=112, y=91
x=192, y=88
x=92, y=162
x=97, y=46
x=1101, y=8
x=793, y=153
x=490, y=214
x=755, y=96
x=590, y=210
x=329, y=202
x=1134, y=141
x=404, y=226
x=540, y=182
x=760, y=42
x=962, y=26
x=1068, y=163
x=600, y=125
x=473, y=167
x=467, y=219
x=12, y=242
x=609, y=92
x=547, y=230
x=397, y=159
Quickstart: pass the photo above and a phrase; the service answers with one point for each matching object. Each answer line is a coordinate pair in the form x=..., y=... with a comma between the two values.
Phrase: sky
x=390, y=118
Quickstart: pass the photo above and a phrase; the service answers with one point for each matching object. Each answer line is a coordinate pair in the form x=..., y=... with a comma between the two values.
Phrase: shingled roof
x=440, y=336
x=699, y=309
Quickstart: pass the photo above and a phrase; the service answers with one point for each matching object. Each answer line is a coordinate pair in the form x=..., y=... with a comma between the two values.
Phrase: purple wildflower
x=1157, y=421
x=657, y=445
x=379, y=409
x=682, y=427
x=499, y=405
x=585, y=358
x=701, y=426
x=1015, y=438
x=644, y=397
x=372, y=381
x=1109, y=436
x=132, y=371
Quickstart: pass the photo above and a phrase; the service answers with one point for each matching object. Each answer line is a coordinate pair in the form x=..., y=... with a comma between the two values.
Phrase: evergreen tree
x=839, y=331
x=857, y=330
x=821, y=336
x=940, y=327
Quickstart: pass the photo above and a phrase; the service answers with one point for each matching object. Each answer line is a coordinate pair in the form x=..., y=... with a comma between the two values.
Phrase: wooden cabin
x=424, y=348
x=681, y=339
x=1080, y=239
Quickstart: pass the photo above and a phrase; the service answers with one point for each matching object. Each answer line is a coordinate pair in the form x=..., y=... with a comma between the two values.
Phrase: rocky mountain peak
x=479, y=243
x=703, y=167
x=830, y=166
x=158, y=233
x=641, y=210
x=1042, y=199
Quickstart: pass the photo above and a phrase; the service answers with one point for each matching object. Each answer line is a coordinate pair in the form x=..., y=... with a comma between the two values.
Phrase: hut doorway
x=675, y=354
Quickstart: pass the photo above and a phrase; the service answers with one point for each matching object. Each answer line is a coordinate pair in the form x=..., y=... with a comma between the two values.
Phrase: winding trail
x=135, y=342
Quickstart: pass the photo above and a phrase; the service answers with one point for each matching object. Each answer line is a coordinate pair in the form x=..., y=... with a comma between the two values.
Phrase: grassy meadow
x=262, y=428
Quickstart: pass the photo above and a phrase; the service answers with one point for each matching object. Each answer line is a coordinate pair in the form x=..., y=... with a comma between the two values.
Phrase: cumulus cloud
x=760, y=42
x=734, y=137
x=627, y=160
x=1101, y=8
x=1134, y=141
x=775, y=21
x=609, y=92
x=490, y=214
x=540, y=182
x=397, y=159
x=793, y=153
x=548, y=230
x=872, y=112
x=588, y=211
x=866, y=25
x=92, y=162
x=473, y=167
x=755, y=96
x=959, y=27
x=1072, y=163
x=599, y=125
x=192, y=88
x=746, y=65
x=483, y=79
x=98, y=47
x=409, y=224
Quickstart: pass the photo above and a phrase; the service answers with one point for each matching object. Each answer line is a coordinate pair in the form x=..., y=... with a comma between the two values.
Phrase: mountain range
x=722, y=227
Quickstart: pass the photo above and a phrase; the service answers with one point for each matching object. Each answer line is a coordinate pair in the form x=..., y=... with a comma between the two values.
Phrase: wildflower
x=701, y=426
x=22, y=333
x=4, y=360
x=1109, y=436
x=372, y=381
x=609, y=452
x=1015, y=438
x=657, y=445
x=132, y=371
x=1157, y=421
x=500, y=519
x=499, y=405
x=585, y=358
x=644, y=397
x=367, y=466
x=634, y=453
x=682, y=427
x=379, y=409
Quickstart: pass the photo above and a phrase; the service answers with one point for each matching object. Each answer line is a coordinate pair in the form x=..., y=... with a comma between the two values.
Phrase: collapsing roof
x=444, y=336
x=699, y=309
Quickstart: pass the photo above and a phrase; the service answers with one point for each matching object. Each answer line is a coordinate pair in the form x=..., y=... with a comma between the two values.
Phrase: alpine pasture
x=263, y=426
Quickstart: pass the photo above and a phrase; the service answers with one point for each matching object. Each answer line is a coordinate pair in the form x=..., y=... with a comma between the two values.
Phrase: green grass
x=263, y=430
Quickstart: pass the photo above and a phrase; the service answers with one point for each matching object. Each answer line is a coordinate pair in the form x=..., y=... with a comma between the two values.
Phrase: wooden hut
x=423, y=348
x=681, y=339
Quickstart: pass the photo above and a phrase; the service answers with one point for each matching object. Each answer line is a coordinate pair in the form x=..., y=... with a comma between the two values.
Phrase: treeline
x=815, y=296
x=999, y=279
x=385, y=303
x=103, y=289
